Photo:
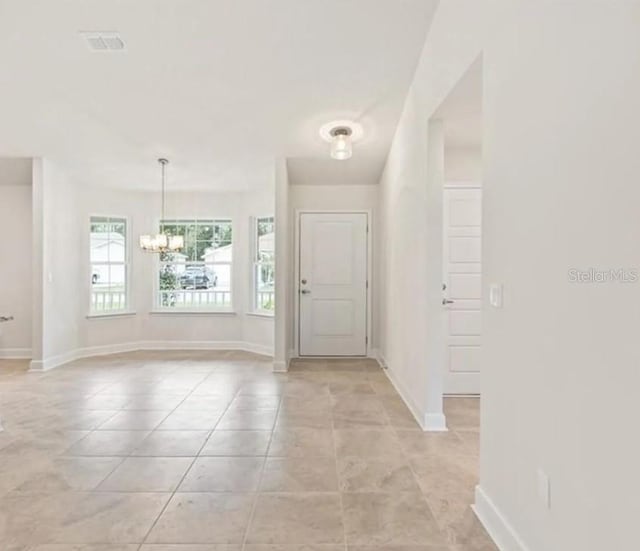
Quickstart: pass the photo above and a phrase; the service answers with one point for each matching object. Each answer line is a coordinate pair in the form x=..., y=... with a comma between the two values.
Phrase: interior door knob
x=305, y=291
x=446, y=301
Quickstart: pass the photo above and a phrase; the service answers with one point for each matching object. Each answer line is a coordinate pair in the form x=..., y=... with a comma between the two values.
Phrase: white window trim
x=114, y=314
x=261, y=314
x=253, y=284
x=128, y=310
x=188, y=312
x=158, y=309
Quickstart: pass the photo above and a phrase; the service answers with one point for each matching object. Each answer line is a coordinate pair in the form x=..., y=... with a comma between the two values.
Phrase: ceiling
x=221, y=87
x=461, y=111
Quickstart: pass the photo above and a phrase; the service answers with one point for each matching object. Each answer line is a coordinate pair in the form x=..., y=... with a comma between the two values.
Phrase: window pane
x=117, y=247
x=108, y=255
x=205, y=232
x=222, y=233
x=99, y=243
x=99, y=276
x=171, y=228
x=196, y=276
x=264, y=268
x=117, y=276
x=222, y=277
x=215, y=253
x=265, y=290
x=189, y=279
x=169, y=276
x=266, y=240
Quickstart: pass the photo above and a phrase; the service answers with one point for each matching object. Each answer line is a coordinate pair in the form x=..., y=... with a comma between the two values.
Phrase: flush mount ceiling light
x=341, y=135
x=162, y=242
x=103, y=41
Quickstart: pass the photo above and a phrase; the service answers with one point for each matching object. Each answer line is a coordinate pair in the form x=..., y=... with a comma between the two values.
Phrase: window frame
x=128, y=307
x=158, y=307
x=255, y=264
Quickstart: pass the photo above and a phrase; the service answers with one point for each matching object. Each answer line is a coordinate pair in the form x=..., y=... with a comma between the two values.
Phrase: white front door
x=462, y=293
x=332, y=284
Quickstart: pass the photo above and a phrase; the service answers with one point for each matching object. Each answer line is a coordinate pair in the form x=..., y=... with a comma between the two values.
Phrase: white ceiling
x=462, y=111
x=221, y=87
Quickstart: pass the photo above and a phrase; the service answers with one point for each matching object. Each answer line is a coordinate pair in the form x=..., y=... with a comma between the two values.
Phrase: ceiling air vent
x=102, y=41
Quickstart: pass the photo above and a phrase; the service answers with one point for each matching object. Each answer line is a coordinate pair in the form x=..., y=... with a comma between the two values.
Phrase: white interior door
x=332, y=284
x=462, y=293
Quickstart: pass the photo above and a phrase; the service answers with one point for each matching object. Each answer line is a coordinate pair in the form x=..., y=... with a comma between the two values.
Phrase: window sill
x=258, y=314
x=119, y=314
x=186, y=312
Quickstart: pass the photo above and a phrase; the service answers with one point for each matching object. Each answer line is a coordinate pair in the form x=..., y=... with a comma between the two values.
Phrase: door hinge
x=367, y=283
x=366, y=340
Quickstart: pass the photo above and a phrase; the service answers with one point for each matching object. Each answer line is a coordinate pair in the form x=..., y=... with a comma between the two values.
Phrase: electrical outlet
x=544, y=488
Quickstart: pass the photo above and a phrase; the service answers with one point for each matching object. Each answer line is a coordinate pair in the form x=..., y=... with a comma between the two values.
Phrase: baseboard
x=15, y=353
x=281, y=366
x=62, y=359
x=432, y=422
x=56, y=361
x=435, y=422
x=206, y=345
x=260, y=349
x=502, y=533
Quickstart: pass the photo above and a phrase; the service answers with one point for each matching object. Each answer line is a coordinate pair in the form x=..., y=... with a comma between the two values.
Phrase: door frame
x=296, y=277
x=461, y=185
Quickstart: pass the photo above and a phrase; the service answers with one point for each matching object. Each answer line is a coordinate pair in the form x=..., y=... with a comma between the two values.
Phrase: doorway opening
x=461, y=113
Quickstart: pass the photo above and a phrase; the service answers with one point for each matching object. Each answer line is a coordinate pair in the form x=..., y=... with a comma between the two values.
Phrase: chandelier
x=162, y=242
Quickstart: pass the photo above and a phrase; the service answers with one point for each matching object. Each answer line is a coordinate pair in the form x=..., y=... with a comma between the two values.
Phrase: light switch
x=495, y=295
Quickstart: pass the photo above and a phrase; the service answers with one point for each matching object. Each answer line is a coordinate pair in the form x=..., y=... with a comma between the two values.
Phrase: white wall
x=562, y=164
x=15, y=267
x=462, y=164
x=332, y=197
x=61, y=253
x=560, y=360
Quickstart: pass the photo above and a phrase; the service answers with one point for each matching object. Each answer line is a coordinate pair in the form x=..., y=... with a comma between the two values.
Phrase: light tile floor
x=211, y=451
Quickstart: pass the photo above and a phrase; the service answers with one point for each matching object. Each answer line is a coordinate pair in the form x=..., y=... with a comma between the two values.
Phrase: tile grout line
x=254, y=505
x=164, y=508
x=335, y=455
x=124, y=458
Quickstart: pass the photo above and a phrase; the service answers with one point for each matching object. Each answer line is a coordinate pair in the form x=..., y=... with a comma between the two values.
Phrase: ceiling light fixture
x=341, y=135
x=341, y=146
x=162, y=242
